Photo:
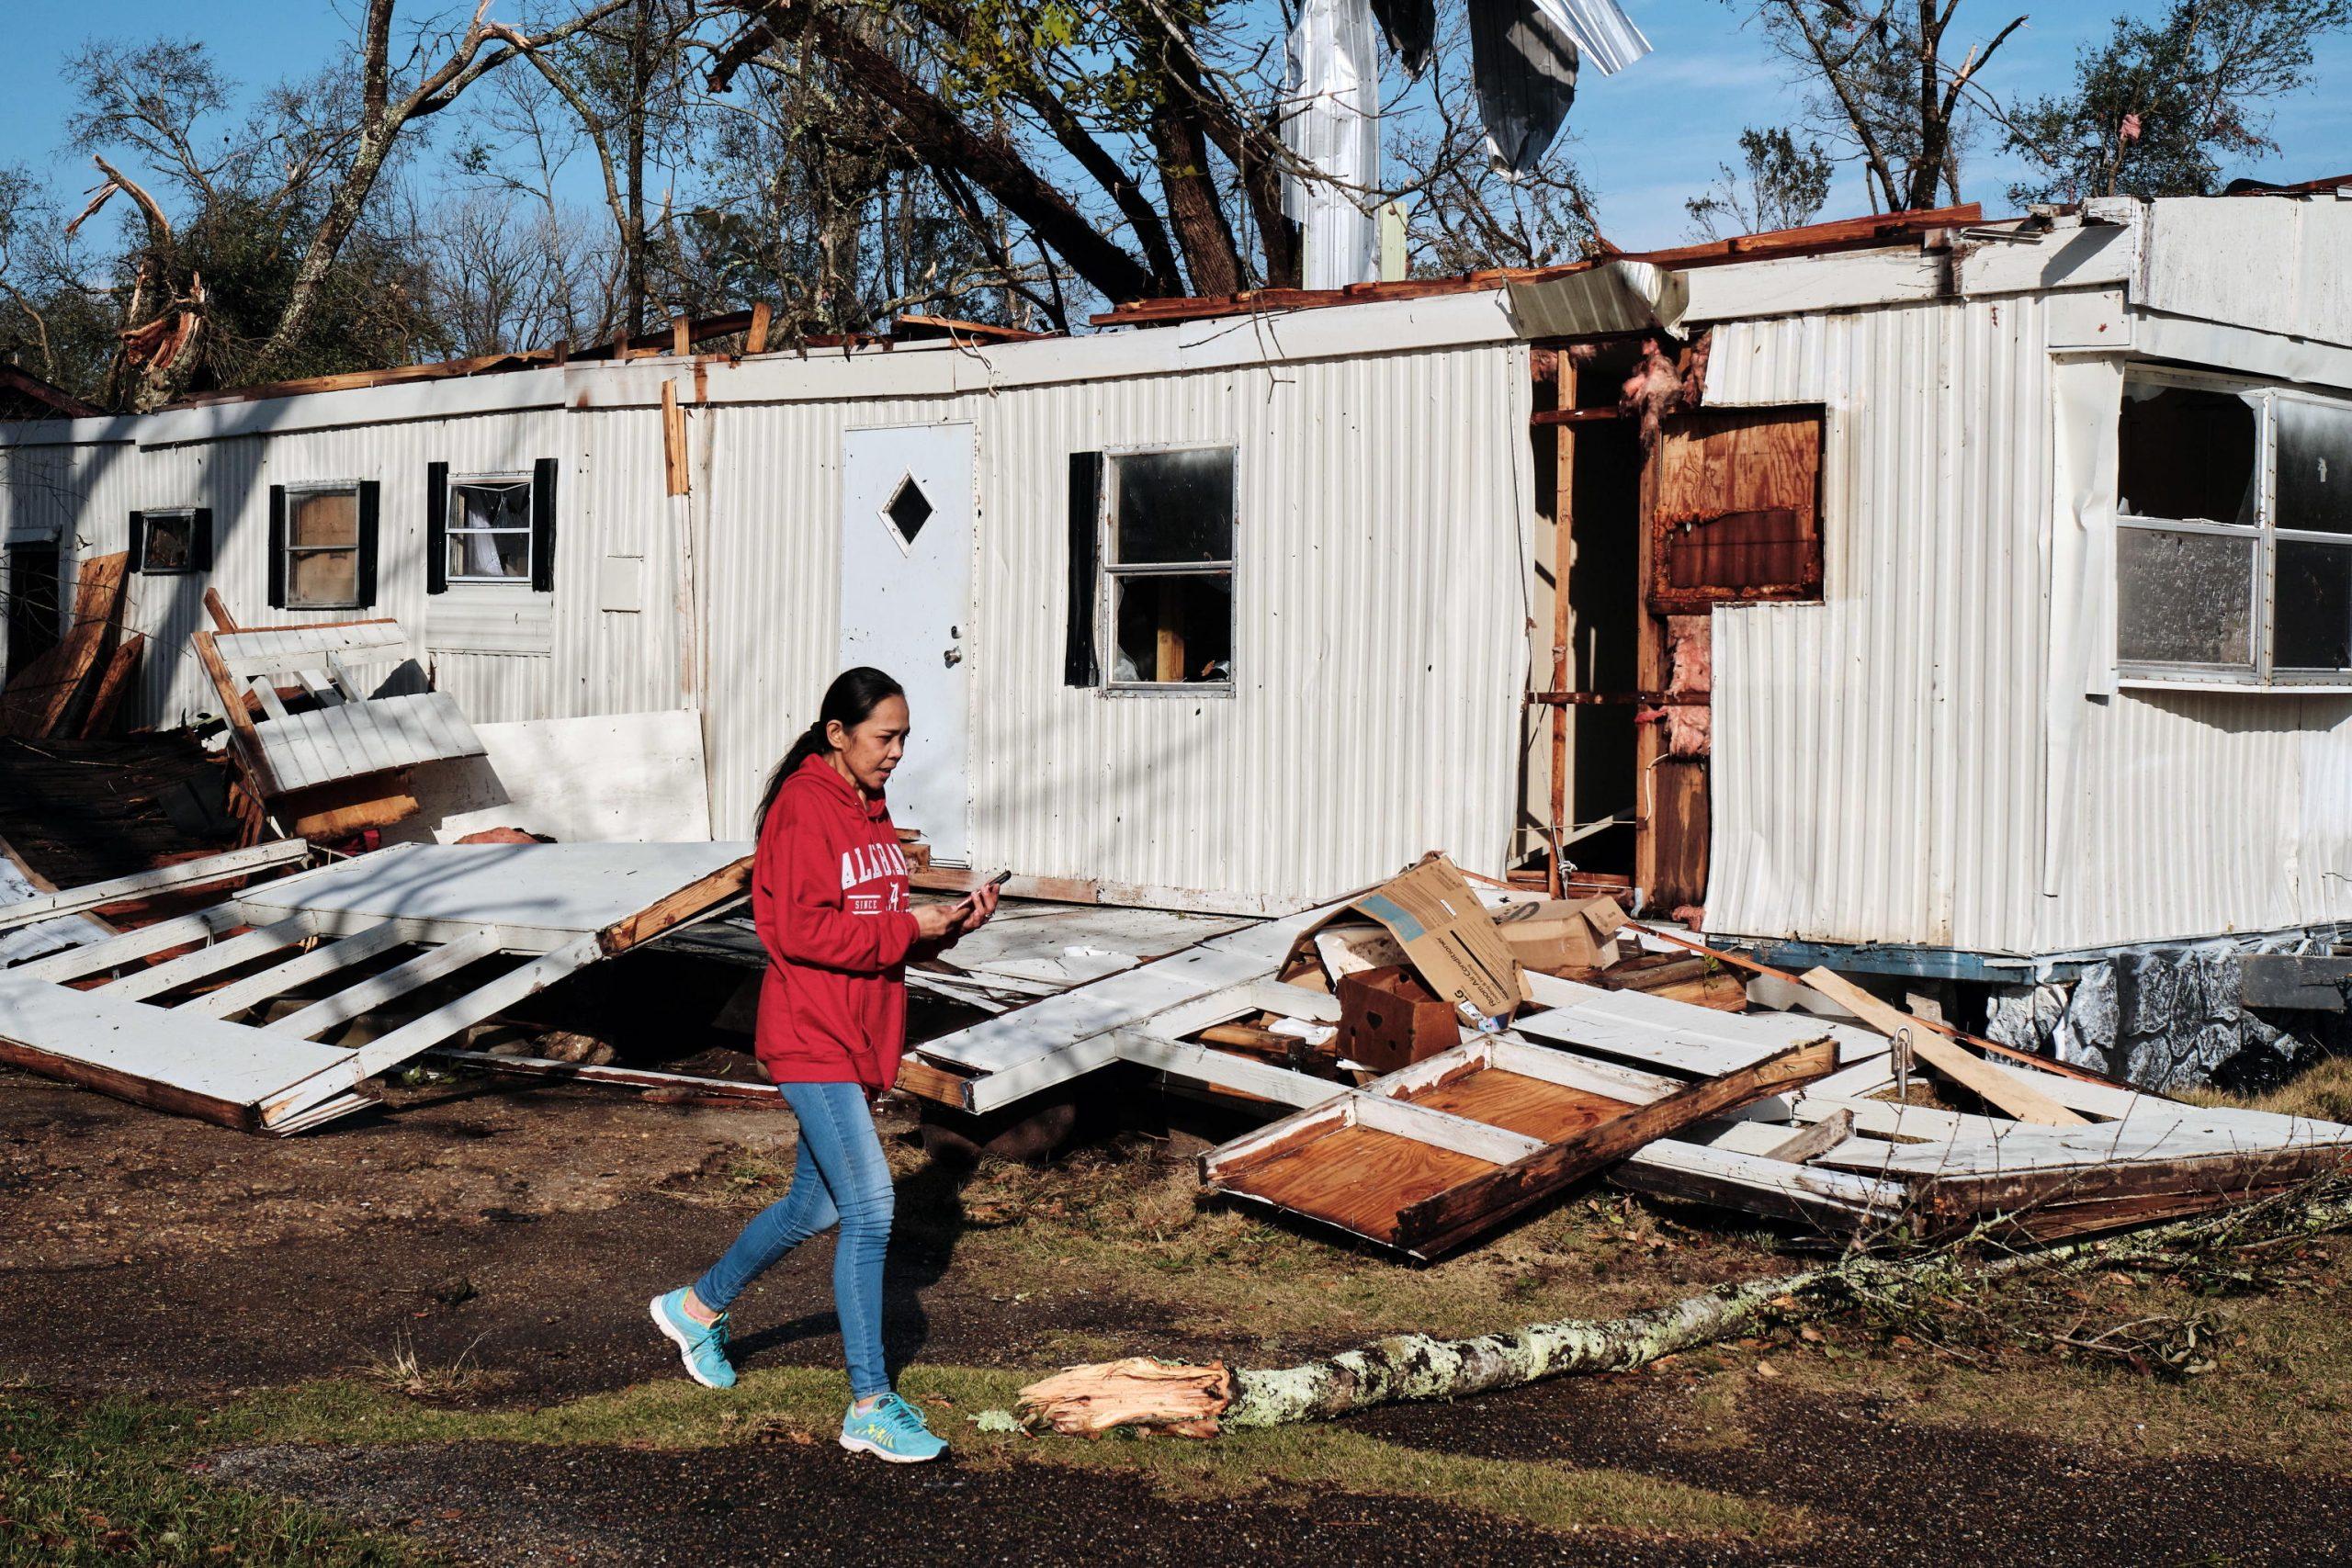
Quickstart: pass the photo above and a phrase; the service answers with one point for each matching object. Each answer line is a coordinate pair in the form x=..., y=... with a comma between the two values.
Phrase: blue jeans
x=840, y=1175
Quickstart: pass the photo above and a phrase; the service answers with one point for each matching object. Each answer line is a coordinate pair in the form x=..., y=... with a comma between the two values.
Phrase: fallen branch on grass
x=1417, y=1367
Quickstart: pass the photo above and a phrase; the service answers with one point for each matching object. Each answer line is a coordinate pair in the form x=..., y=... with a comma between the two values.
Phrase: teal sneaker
x=702, y=1345
x=893, y=1430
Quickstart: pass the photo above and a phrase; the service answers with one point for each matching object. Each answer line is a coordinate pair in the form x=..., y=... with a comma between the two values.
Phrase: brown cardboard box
x=1562, y=934
x=1450, y=938
x=1389, y=1020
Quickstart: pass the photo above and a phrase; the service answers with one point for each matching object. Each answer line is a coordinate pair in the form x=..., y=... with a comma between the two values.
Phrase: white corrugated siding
x=1879, y=759
x=1380, y=597
x=1877, y=768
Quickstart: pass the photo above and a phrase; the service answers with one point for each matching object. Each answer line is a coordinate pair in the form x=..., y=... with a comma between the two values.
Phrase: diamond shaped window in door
x=908, y=510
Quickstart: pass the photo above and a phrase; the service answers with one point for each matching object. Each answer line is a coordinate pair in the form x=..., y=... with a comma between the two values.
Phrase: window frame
x=147, y=517
x=1109, y=572
x=357, y=549
x=2264, y=532
x=452, y=529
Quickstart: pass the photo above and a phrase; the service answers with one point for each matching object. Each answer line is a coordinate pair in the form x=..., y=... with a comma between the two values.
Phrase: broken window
x=1168, y=565
x=322, y=536
x=170, y=540
x=489, y=536
x=2231, y=555
x=2188, y=452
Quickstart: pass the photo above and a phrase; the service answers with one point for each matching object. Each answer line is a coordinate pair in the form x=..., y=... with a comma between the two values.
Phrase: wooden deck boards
x=1546, y=1110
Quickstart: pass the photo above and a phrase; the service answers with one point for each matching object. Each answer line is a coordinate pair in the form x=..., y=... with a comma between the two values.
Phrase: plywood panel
x=1359, y=1179
x=1546, y=1110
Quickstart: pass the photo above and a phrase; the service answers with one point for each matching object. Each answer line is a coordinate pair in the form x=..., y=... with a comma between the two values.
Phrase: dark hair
x=854, y=695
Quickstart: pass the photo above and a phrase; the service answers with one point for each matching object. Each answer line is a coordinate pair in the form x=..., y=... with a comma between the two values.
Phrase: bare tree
x=390, y=100
x=1884, y=87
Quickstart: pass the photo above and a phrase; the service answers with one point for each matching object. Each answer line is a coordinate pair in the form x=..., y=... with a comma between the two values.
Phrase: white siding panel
x=1877, y=757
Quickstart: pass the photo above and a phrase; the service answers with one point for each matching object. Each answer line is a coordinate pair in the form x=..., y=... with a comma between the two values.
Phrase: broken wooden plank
x=1445, y=1219
x=228, y=954
x=1835, y=1200
x=254, y=989
x=186, y=874
x=2004, y=1091
x=129, y=947
x=623, y=1078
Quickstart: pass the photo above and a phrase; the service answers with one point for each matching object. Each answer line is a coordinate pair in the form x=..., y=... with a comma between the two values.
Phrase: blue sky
x=1646, y=138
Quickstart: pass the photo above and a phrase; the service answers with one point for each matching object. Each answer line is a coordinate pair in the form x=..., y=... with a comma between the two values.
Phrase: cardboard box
x=1561, y=933
x=1389, y=1020
x=1450, y=938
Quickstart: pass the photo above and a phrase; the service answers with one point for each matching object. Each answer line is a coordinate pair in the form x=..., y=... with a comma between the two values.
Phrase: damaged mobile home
x=1897, y=635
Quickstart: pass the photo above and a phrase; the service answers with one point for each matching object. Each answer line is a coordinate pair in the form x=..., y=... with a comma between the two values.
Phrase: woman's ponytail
x=854, y=695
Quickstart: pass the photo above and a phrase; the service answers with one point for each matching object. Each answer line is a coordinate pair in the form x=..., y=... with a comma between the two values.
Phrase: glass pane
x=322, y=517
x=2183, y=598
x=493, y=506
x=2188, y=453
x=1173, y=628
x=327, y=580
x=167, y=540
x=501, y=555
x=2314, y=606
x=2315, y=465
x=909, y=510
x=1175, y=506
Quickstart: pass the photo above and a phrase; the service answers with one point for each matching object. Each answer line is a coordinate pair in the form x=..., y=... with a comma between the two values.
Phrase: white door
x=906, y=596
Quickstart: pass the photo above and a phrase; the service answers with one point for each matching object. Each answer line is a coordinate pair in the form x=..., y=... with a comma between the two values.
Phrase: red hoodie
x=829, y=895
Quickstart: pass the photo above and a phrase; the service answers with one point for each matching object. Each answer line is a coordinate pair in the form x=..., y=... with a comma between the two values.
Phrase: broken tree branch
x=1412, y=1367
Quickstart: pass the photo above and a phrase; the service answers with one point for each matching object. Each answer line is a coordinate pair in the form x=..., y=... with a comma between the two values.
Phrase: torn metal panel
x=165, y=1033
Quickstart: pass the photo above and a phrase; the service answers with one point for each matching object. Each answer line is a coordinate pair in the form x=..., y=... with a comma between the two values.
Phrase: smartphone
x=999, y=880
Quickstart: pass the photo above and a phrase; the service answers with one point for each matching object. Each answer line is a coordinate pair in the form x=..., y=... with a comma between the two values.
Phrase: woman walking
x=829, y=895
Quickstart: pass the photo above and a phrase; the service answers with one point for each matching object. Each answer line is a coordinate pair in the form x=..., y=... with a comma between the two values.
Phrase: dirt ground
x=421, y=1337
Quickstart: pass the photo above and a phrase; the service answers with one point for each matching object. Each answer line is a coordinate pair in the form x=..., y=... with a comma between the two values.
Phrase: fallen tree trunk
x=1417, y=1367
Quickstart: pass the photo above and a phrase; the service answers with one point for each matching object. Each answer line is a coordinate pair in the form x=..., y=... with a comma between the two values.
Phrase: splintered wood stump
x=1138, y=1392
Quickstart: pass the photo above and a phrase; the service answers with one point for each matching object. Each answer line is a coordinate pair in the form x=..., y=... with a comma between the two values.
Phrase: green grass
x=2323, y=1090
x=109, y=1481
x=126, y=1464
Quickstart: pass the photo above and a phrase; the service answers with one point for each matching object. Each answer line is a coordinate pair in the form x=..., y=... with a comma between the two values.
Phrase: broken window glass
x=2313, y=605
x=2188, y=453
x=2184, y=598
x=169, y=544
x=1170, y=568
x=2314, y=466
x=490, y=531
x=1174, y=507
x=1173, y=627
x=322, y=550
x=909, y=510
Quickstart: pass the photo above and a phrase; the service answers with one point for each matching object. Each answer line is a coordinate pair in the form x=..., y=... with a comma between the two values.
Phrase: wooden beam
x=1051, y=889
x=674, y=472
x=77, y=963
x=139, y=884
x=755, y=337
x=219, y=611
x=623, y=1077
x=1818, y=1139
x=700, y=898
x=239, y=995
x=191, y=966
x=402, y=978
x=2002, y=1090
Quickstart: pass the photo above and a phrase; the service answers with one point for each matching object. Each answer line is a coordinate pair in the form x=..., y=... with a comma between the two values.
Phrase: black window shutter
x=437, y=527
x=1079, y=666
x=277, y=547
x=369, y=493
x=200, y=540
x=543, y=473
x=138, y=562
